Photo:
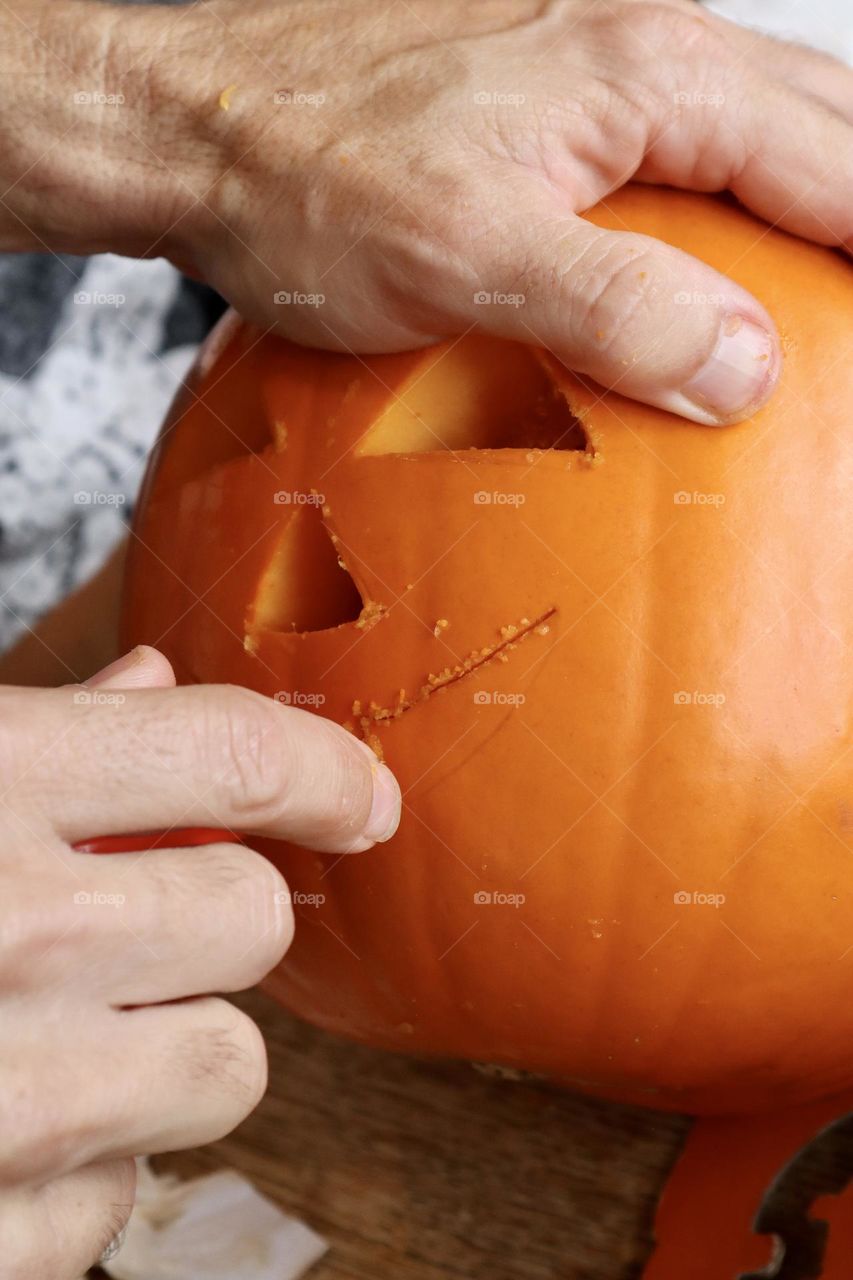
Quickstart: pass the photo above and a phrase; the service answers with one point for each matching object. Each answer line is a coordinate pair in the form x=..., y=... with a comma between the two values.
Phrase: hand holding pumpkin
x=423, y=171
x=111, y=1045
x=373, y=178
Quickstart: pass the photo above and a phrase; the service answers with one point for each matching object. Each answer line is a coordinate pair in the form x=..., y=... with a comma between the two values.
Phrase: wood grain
x=422, y=1171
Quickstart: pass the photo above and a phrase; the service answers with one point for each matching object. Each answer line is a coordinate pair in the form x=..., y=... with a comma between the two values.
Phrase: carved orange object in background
x=744, y=1200
x=607, y=653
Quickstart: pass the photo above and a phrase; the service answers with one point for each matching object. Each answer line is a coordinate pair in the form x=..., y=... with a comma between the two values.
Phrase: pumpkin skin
x=583, y=781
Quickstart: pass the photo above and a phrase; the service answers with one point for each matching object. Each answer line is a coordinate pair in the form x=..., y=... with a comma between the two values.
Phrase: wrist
x=82, y=166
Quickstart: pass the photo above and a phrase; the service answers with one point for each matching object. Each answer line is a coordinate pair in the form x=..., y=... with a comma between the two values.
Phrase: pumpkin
x=607, y=653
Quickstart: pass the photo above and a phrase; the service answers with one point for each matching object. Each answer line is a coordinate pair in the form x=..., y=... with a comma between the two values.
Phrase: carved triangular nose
x=306, y=586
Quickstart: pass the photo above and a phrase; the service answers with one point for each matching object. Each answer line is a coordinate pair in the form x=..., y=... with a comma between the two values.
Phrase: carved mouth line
x=365, y=720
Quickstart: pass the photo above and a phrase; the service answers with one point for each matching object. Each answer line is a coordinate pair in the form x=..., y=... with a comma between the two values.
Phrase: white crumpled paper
x=218, y=1227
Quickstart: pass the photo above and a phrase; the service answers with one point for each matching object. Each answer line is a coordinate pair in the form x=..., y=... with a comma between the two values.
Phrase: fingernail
x=387, y=802
x=737, y=374
x=117, y=668
x=115, y=1246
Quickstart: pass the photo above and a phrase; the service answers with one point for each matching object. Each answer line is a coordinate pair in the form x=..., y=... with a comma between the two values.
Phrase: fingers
x=168, y=1077
x=800, y=177
x=207, y=1068
x=143, y=929
x=723, y=117
x=819, y=74
x=97, y=762
x=634, y=314
x=57, y=1231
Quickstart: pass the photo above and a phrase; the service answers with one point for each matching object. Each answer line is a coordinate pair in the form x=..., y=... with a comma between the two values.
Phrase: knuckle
x=265, y=759
x=248, y=915
x=434, y=240
x=271, y=906
x=663, y=49
x=613, y=292
x=179, y=878
x=226, y=1057
x=253, y=761
x=661, y=26
x=260, y=902
x=347, y=791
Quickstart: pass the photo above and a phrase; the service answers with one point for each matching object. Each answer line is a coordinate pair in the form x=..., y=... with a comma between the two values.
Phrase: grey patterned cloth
x=91, y=353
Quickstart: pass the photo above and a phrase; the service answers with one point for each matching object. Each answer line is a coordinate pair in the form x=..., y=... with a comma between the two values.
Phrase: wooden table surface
x=415, y=1171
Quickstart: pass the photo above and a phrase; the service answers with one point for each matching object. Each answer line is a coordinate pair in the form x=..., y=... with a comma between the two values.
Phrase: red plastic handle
x=143, y=841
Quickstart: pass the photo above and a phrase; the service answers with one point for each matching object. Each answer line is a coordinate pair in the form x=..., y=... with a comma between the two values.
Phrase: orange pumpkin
x=607, y=653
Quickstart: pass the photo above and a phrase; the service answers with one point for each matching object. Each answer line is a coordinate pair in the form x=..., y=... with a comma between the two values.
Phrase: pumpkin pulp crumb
x=370, y=615
x=510, y=637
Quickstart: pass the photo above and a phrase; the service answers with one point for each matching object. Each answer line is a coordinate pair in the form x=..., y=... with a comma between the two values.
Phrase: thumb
x=637, y=315
x=142, y=668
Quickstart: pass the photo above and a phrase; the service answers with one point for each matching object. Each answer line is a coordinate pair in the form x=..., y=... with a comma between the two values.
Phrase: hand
x=111, y=1045
x=428, y=153
x=401, y=160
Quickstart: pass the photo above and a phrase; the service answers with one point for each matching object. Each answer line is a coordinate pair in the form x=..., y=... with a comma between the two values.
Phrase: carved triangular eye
x=305, y=586
x=467, y=399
